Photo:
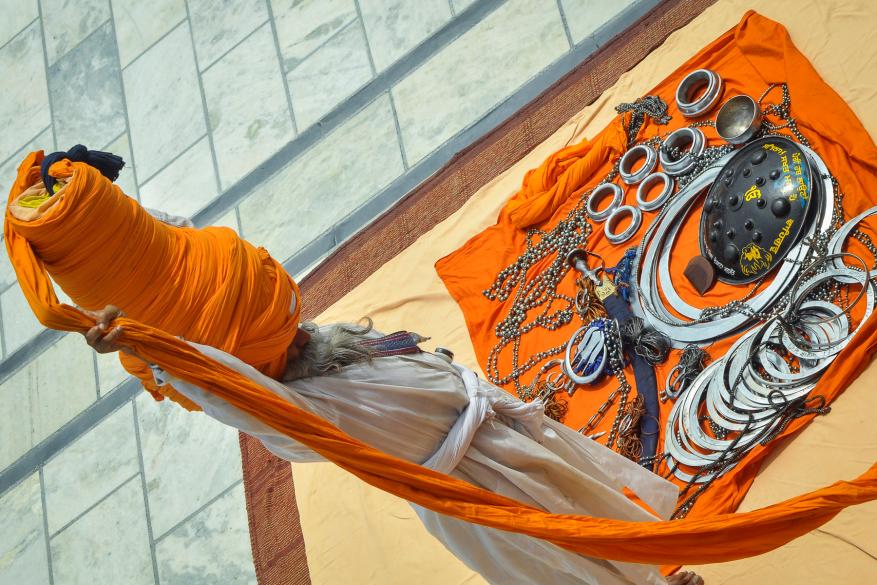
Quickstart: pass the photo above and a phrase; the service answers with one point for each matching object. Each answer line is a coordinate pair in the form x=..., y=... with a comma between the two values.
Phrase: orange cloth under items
x=34, y=250
x=750, y=57
x=205, y=285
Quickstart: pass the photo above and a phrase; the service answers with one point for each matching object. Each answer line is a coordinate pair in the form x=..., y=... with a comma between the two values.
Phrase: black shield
x=757, y=209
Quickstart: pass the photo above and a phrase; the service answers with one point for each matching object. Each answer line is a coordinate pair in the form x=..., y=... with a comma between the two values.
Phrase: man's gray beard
x=329, y=349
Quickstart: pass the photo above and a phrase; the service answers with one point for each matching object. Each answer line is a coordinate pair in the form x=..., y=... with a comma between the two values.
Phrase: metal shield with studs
x=757, y=209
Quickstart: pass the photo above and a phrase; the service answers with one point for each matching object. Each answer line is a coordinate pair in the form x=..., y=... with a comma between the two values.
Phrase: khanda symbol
x=753, y=193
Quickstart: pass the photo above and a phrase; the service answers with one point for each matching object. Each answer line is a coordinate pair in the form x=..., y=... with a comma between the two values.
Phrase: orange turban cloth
x=204, y=285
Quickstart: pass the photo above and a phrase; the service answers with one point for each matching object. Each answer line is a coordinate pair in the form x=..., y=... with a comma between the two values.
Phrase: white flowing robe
x=422, y=409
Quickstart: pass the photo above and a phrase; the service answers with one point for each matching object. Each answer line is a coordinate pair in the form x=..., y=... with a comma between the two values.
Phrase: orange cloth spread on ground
x=750, y=57
x=688, y=541
x=205, y=285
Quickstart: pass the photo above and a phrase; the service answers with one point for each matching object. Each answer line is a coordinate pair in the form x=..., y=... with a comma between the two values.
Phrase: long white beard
x=329, y=349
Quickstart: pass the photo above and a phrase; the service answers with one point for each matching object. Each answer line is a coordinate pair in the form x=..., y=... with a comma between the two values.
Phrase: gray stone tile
x=247, y=106
x=122, y=147
x=211, y=547
x=218, y=25
x=461, y=5
x=23, y=559
x=17, y=14
x=68, y=22
x=394, y=27
x=463, y=82
x=86, y=94
x=62, y=385
x=325, y=183
x=7, y=273
x=90, y=468
x=584, y=17
x=45, y=395
x=229, y=220
x=304, y=25
x=9, y=169
x=24, y=108
x=109, y=544
x=139, y=24
x=183, y=453
x=15, y=432
x=164, y=103
x=110, y=372
x=185, y=186
x=331, y=74
x=19, y=323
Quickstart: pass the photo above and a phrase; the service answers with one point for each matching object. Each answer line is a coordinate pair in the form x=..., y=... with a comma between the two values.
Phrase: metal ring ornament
x=598, y=194
x=688, y=87
x=636, y=220
x=639, y=152
x=690, y=138
x=663, y=196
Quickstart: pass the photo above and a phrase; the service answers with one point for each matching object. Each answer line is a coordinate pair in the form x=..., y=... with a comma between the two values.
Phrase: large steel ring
x=691, y=141
x=712, y=85
x=599, y=193
x=639, y=152
x=636, y=219
x=647, y=183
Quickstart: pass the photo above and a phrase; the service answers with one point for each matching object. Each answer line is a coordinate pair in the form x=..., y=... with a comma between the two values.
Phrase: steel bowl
x=738, y=120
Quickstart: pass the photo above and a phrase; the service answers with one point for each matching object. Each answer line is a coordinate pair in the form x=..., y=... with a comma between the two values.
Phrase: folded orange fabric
x=205, y=285
x=756, y=53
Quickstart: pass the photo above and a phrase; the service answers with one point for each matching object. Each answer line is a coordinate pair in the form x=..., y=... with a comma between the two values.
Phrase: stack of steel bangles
x=746, y=393
x=613, y=213
x=702, y=79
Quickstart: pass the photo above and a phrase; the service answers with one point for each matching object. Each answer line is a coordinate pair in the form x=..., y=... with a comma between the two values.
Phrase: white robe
x=418, y=407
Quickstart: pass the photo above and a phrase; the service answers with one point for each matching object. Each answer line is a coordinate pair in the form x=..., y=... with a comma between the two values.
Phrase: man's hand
x=685, y=578
x=101, y=337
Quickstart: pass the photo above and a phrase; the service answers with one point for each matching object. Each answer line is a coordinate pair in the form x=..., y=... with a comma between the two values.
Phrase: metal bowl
x=738, y=120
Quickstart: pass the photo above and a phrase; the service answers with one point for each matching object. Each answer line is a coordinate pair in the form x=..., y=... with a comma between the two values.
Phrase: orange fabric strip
x=750, y=57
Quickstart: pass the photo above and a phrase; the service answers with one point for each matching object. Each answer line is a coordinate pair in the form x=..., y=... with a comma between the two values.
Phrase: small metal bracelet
x=636, y=219
x=625, y=167
x=657, y=202
x=599, y=193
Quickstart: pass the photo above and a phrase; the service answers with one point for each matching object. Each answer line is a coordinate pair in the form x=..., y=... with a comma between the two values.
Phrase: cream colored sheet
x=355, y=534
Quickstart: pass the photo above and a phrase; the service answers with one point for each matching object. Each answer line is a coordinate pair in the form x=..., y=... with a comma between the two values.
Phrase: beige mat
x=357, y=534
